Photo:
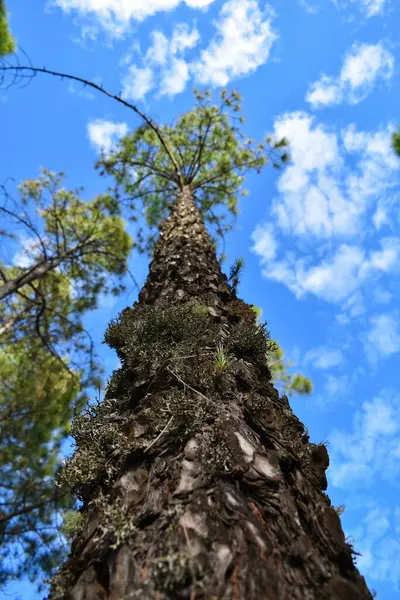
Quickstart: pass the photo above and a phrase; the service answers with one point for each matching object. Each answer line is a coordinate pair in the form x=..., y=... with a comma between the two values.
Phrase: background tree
x=286, y=382
x=396, y=142
x=196, y=479
x=72, y=251
x=7, y=45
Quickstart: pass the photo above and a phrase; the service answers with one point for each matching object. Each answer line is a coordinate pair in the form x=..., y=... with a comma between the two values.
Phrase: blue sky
x=320, y=239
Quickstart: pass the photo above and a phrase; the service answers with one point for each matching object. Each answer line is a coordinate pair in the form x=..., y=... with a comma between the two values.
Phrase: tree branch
x=118, y=98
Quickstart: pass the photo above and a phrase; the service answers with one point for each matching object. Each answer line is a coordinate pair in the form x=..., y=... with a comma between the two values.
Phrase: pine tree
x=396, y=141
x=196, y=479
x=75, y=250
x=7, y=45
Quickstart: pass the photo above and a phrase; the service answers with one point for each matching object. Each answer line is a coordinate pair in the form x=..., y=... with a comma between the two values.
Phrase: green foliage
x=37, y=398
x=222, y=360
x=212, y=155
x=235, y=272
x=155, y=335
x=7, y=45
x=396, y=142
x=250, y=343
x=285, y=381
x=75, y=249
x=72, y=523
x=258, y=311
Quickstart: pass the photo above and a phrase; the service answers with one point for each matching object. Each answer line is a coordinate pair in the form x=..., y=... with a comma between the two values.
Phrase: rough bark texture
x=197, y=480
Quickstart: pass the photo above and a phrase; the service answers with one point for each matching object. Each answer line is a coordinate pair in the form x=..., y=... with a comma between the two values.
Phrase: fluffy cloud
x=382, y=296
x=371, y=8
x=372, y=449
x=364, y=457
x=325, y=207
x=319, y=194
x=324, y=358
x=377, y=542
x=383, y=337
x=115, y=16
x=336, y=278
x=364, y=64
x=103, y=135
x=25, y=255
x=165, y=56
x=242, y=44
x=265, y=244
x=137, y=82
x=337, y=385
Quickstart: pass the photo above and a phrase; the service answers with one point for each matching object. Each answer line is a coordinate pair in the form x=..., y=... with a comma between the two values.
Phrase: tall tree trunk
x=197, y=480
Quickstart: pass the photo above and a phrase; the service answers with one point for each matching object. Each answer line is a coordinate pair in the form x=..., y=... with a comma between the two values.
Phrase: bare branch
x=18, y=68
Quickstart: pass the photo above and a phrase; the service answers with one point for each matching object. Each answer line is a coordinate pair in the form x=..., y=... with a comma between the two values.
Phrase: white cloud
x=324, y=358
x=103, y=134
x=360, y=457
x=137, y=82
x=115, y=16
x=371, y=8
x=363, y=65
x=173, y=80
x=158, y=51
x=382, y=296
x=27, y=252
x=182, y=38
x=383, y=338
x=386, y=258
x=337, y=385
x=377, y=541
x=265, y=244
x=242, y=44
x=311, y=200
x=175, y=77
x=166, y=56
x=325, y=207
x=333, y=279
x=355, y=304
x=342, y=319
x=324, y=92
x=336, y=278
x=365, y=456
x=380, y=217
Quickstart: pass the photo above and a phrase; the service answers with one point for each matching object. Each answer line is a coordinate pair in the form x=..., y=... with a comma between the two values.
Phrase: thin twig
x=159, y=435
x=118, y=98
x=188, y=386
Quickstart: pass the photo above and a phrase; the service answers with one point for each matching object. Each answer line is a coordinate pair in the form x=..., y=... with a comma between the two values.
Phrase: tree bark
x=197, y=480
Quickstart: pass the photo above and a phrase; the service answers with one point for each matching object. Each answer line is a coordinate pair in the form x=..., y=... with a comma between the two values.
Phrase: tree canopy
x=72, y=251
x=204, y=149
x=7, y=45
